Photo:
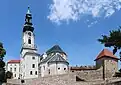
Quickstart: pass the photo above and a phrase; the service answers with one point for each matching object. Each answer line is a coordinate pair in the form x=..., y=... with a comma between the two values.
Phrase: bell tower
x=29, y=55
x=28, y=43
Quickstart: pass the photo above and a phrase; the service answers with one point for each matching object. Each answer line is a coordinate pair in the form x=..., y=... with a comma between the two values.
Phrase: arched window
x=29, y=41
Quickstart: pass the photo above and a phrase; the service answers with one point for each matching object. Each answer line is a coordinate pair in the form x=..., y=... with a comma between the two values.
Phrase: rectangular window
x=49, y=71
x=15, y=75
x=14, y=69
x=30, y=72
x=35, y=72
x=33, y=65
x=33, y=58
x=11, y=69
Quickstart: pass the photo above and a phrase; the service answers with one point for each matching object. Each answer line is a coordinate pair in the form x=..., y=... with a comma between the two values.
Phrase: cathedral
x=31, y=63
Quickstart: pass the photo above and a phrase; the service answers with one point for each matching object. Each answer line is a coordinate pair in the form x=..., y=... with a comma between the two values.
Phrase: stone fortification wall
x=93, y=74
x=90, y=74
x=66, y=79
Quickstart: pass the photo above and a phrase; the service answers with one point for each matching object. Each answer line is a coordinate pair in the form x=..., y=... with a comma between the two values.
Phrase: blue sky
x=76, y=34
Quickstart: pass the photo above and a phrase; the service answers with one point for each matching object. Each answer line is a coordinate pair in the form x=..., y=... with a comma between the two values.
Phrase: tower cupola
x=28, y=22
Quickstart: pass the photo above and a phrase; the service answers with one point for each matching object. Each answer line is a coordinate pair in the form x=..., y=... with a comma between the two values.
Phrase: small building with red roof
x=14, y=67
x=14, y=61
x=107, y=61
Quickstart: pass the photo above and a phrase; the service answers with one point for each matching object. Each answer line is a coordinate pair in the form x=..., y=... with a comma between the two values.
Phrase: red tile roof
x=14, y=61
x=106, y=53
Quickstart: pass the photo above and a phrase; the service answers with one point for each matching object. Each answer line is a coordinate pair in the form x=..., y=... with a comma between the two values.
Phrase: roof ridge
x=55, y=48
x=50, y=59
x=57, y=57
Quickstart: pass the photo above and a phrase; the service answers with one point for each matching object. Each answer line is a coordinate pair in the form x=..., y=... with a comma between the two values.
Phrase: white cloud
x=92, y=23
x=66, y=10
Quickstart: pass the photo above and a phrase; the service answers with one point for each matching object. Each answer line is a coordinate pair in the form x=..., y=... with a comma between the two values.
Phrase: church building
x=53, y=62
x=32, y=64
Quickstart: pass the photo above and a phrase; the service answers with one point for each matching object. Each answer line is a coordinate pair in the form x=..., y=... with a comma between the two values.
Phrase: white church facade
x=32, y=64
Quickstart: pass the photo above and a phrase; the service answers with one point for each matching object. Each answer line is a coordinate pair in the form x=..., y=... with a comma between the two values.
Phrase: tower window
x=29, y=34
x=29, y=41
x=30, y=72
x=33, y=65
x=35, y=72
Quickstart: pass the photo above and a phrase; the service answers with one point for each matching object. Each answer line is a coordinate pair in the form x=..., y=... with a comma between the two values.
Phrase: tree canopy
x=2, y=51
x=112, y=40
x=2, y=64
x=9, y=75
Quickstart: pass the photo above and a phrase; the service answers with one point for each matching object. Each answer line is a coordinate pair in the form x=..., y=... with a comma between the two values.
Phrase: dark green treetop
x=2, y=64
x=112, y=40
x=2, y=51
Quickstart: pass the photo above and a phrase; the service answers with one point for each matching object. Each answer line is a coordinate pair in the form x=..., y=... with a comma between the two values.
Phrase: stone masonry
x=66, y=79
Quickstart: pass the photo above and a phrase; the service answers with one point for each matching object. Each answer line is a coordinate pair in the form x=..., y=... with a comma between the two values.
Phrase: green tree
x=9, y=75
x=2, y=52
x=112, y=40
x=2, y=64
